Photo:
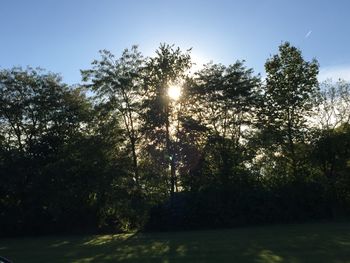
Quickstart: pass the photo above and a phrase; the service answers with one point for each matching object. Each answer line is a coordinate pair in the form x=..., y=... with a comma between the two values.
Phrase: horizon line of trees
x=117, y=153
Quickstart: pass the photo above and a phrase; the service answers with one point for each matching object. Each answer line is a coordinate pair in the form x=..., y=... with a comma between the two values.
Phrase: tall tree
x=223, y=100
x=289, y=95
x=167, y=68
x=117, y=84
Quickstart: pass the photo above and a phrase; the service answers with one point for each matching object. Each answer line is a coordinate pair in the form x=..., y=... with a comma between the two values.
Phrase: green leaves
x=233, y=139
x=289, y=96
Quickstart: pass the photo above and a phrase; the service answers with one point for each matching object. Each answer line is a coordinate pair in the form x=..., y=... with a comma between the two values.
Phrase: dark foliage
x=118, y=153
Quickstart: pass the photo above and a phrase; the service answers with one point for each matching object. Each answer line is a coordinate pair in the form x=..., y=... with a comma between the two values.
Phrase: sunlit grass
x=273, y=244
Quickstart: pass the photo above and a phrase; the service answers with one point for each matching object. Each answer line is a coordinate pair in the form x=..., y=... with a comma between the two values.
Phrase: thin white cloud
x=335, y=73
x=308, y=34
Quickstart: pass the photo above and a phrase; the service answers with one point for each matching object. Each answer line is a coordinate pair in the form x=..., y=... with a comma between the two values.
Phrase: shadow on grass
x=291, y=243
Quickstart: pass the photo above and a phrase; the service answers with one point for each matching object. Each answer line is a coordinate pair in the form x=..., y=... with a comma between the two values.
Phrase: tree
x=117, y=84
x=332, y=155
x=289, y=95
x=334, y=105
x=39, y=119
x=167, y=68
x=223, y=100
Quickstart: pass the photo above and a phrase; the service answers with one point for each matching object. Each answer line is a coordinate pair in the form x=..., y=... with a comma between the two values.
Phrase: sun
x=174, y=92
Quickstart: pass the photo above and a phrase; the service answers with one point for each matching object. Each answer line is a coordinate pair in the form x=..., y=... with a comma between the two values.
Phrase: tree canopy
x=117, y=152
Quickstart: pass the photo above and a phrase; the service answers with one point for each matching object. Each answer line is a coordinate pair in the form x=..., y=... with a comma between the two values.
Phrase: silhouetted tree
x=117, y=85
x=289, y=96
x=223, y=100
x=167, y=68
x=118, y=151
x=333, y=109
x=39, y=117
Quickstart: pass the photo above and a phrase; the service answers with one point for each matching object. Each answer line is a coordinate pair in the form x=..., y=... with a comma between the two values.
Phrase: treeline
x=118, y=152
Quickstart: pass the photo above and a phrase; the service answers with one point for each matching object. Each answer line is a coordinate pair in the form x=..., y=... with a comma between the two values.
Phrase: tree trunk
x=170, y=155
x=135, y=164
x=291, y=146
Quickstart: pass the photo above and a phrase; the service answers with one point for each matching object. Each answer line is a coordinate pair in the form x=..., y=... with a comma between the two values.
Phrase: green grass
x=284, y=243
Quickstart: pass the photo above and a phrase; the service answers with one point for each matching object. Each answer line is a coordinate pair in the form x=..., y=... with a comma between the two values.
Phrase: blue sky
x=64, y=36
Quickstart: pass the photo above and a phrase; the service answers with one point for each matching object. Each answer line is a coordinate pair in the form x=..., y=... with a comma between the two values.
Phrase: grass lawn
x=328, y=242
